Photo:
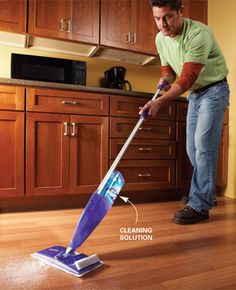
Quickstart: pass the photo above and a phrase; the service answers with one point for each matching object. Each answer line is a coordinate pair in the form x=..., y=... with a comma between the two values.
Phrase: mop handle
x=130, y=138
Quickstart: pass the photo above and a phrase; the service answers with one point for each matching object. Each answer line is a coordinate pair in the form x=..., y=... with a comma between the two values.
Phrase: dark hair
x=174, y=4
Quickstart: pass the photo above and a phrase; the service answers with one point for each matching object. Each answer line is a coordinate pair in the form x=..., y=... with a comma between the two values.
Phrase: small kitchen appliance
x=48, y=69
x=115, y=78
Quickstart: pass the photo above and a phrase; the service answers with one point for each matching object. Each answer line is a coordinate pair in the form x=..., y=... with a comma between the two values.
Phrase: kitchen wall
x=142, y=78
x=221, y=17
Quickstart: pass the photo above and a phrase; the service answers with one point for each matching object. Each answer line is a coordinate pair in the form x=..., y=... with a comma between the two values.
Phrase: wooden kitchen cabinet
x=149, y=162
x=196, y=10
x=13, y=15
x=47, y=154
x=128, y=24
x=67, y=153
x=11, y=141
x=76, y=20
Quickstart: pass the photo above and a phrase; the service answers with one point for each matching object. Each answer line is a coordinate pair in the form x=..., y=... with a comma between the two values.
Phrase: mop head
x=75, y=264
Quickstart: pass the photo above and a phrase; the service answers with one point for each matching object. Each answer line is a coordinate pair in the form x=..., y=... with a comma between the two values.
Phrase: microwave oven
x=48, y=69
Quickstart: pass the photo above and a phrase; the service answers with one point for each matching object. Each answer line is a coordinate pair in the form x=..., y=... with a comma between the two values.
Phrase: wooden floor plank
x=183, y=257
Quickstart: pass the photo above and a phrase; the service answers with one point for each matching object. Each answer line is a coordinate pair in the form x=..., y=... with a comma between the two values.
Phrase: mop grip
x=160, y=86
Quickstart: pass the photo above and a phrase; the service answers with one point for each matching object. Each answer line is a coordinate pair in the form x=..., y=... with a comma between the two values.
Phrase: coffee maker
x=115, y=78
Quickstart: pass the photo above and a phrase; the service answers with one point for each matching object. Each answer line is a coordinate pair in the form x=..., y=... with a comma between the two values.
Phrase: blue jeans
x=204, y=128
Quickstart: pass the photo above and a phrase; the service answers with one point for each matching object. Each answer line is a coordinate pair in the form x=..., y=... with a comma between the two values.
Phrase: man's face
x=168, y=21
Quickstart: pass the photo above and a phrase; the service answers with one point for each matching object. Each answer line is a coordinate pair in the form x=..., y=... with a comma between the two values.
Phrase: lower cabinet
x=61, y=142
x=149, y=162
x=11, y=153
x=65, y=154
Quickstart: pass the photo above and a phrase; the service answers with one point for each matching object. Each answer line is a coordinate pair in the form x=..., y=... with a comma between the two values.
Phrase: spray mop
x=67, y=259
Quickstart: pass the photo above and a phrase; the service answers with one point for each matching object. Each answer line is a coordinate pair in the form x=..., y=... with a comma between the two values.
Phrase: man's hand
x=152, y=107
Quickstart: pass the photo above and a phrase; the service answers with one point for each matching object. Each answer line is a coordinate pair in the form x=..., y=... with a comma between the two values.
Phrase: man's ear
x=181, y=10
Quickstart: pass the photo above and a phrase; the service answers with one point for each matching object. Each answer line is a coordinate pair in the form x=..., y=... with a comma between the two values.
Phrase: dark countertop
x=51, y=85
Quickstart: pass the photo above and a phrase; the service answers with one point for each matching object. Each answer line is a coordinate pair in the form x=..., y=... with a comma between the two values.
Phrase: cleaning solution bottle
x=96, y=209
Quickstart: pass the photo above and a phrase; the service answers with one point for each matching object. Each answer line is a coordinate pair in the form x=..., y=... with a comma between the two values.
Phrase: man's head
x=168, y=16
x=173, y=4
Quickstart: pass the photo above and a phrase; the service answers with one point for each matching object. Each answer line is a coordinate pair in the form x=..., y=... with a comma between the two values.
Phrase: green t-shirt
x=196, y=43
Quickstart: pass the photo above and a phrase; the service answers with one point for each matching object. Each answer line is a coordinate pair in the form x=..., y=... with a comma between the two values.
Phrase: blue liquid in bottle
x=96, y=208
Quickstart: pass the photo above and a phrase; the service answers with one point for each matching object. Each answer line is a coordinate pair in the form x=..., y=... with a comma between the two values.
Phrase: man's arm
x=188, y=76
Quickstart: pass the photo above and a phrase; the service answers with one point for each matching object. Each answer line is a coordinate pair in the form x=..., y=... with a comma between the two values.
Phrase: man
x=188, y=49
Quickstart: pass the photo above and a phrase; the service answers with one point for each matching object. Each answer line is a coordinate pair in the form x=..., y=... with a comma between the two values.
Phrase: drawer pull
x=66, y=129
x=70, y=103
x=69, y=22
x=145, y=129
x=144, y=175
x=145, y=149
x=128, y=37
x=62, y=25
x=73, y=133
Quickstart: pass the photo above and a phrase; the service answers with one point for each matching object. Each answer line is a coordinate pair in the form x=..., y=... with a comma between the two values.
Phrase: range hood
x=72, y=48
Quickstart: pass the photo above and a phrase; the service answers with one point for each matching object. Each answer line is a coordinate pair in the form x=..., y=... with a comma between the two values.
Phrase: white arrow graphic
x=126, y=199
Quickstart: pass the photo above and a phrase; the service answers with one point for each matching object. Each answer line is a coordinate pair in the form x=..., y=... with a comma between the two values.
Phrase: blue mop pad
x=73, y=263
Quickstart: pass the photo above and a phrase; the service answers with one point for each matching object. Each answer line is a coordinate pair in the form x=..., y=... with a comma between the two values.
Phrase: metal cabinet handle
x=73, y=124
x=69, y=22
x=62, y=24
x=145, y=149
x=66, y=129
x=134, y=38
x=145, y=129
x=128, y=37
x=70, y=102
x=144, y=175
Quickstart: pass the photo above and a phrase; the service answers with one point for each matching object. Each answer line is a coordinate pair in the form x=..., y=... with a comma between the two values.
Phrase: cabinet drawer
x=12, y=98
x=147, y=175
x=130, y=106
x=139, y=149
x=150, y=129
x=61, y=101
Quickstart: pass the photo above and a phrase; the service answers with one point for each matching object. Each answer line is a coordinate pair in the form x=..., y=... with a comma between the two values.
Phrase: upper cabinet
x=94, y=26
x=13, y=15
x=196, y=10
x=128, y=24
x=76, y=20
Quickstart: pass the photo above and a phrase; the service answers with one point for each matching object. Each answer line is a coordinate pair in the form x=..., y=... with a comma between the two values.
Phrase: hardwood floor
x=199, y=257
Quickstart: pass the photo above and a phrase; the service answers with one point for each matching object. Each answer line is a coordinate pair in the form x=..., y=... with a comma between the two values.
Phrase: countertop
x=60, y=86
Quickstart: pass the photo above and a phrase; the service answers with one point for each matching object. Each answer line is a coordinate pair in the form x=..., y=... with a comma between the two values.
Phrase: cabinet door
x=47, y=154
x=84, y=21
x=196, y=10
x=116, y=23
x=88, y=152
x=48, y=18
x=13, y=15
x=12, y=154
x=143, y=27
